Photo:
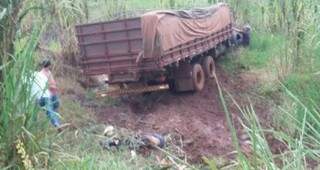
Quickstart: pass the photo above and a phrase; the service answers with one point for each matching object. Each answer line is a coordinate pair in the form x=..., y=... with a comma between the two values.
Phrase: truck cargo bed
x=125, y=50
x=110, y=48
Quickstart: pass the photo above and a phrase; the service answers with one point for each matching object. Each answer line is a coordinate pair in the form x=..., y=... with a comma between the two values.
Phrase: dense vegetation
x=285, y=47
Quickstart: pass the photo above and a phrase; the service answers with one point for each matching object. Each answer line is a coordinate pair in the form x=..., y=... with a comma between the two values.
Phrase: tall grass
x=18, y=110
x=62, y=16
x=295, y=61
x=299, y=144
x=295, y=20
x=116, y=9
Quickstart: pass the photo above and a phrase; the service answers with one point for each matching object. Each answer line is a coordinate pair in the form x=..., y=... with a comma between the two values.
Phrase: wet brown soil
x=197, y=117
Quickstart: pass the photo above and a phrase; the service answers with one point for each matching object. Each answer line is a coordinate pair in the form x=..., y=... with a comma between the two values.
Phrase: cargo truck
x=177, y=48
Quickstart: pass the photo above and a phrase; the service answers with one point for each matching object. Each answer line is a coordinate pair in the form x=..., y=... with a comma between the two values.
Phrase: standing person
x=45, y=90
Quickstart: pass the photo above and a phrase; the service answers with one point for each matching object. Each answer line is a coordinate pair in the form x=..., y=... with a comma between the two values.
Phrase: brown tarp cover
x=163, y=30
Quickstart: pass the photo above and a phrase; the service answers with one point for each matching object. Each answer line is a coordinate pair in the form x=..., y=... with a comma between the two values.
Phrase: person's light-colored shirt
x=40, y=85
x=52, y=85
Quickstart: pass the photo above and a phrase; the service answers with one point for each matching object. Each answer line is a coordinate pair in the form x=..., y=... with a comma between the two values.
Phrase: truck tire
x=172, y=86
x=246, y=39
x=209, y=67
x=198, y=77
x=246, y=35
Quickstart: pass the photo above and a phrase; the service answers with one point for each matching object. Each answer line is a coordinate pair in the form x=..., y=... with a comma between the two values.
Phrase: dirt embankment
x=197, y=117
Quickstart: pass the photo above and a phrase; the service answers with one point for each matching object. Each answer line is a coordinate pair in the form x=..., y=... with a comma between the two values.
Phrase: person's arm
x=52, y=84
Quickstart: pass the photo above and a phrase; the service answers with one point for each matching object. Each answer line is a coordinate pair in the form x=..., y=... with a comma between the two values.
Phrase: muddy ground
x=198, y=118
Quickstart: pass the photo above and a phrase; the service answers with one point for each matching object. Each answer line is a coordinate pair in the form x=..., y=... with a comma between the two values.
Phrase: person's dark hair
x=45, y=63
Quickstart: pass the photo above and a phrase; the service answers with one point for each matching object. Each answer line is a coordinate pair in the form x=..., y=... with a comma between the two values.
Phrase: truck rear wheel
x=198, y=77
x=172, y=86
x=209, y=67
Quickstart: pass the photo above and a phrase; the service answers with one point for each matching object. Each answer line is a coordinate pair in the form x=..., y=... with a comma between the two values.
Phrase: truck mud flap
x=182, y=78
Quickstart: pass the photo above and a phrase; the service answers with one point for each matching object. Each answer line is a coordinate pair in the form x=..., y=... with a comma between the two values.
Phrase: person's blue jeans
x=51, y=105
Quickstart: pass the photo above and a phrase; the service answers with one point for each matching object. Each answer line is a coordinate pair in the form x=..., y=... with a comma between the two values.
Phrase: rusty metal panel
x=110, y=47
